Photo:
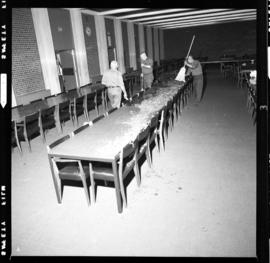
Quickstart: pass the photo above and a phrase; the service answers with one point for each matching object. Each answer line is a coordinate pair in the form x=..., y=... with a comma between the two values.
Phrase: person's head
x=143, y=56
x=114, y=65
x=190, y=59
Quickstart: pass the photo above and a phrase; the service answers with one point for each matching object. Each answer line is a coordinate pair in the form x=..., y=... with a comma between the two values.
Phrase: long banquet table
x=105, y=139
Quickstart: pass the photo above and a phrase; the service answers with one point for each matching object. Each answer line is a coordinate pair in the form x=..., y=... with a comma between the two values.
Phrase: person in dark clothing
x=147, y=71
x=195, y=68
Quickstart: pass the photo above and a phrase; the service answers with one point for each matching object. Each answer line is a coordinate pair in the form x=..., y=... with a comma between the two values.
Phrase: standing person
x=113, y=80
x=147, y=71
x=194, y=67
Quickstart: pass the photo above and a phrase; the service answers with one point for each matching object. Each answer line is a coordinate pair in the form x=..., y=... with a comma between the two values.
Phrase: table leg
x=117, y=188
x=56, y=186
x=57, y=119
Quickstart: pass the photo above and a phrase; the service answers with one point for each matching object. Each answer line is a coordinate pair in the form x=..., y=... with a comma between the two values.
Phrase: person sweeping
x=195, y=68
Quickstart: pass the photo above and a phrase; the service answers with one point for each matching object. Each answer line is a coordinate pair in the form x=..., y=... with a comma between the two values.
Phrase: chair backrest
x=79, y=100
x=64, y=104
x=18, y=106
x=112, y=110
x=96, y=79
x=32, y=117
x=46, y=112
x=83, y=127
x=127, y=155
x=59, y=94
x=33, y=101
x=98, y=118
x=50, y=96
x=153, y=123
x=143, y=137
x=57, y=142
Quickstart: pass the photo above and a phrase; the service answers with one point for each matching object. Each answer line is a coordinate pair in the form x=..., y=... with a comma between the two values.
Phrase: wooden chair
x=79, y=108
x=127, y=162
x=153, y=131
x=90, y=103
x=70, y=170
x=143, y=149
x=47, y=120
x=161, y=125
x=83, y=127
x=100, y=98
x=31, y=128
x=64, y=113
x=16, y=135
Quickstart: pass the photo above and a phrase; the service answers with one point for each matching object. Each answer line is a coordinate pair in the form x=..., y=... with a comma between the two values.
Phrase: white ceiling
x=177, y=17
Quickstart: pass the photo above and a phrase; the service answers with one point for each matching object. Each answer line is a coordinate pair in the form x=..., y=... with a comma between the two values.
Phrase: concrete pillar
x=79, y=44
x=161, y=44
x=102, y=43
x=156, y=46
x=149, y=42
x=46, y=49
x=141, y=38
x=119, y=45
x=131, y=45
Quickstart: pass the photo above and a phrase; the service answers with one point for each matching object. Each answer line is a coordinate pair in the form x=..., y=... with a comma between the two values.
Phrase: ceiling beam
x=120, y=10
x=201, y=16
x=206, y=23
x=156, y=12
x=204, y=11
x=205, y=19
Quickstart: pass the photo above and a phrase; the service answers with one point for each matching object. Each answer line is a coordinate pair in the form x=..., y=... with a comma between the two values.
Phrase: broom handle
x=190, y=46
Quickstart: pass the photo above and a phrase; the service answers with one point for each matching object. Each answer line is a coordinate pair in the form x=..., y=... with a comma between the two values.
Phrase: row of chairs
x=38, y=123
x=128, y=158
x=252, y=101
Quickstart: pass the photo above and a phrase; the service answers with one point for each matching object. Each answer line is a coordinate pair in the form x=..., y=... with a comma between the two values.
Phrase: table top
x=226, y=61
x=104, y=140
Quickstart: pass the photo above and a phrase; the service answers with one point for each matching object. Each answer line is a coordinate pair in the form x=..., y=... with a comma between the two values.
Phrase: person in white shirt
x=113, y=80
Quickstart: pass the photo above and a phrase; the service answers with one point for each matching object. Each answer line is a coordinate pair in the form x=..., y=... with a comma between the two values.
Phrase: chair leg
x=86, y=190
x=148, y=158
x=122, y=189
x=137, y=173
x=29, y=145
x=93, y=188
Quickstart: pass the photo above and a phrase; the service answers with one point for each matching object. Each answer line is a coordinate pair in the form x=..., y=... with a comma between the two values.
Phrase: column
x=141, y=38
x=131, y=45
x=79, y=44
x=13, y=98
x=102, y=43
x=46, y=49
x=149, y=42
x=156, y=45
x=119, y=45
x=161, y=44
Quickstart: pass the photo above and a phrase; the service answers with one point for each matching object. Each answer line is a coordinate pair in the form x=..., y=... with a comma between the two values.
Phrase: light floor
x=199, y=199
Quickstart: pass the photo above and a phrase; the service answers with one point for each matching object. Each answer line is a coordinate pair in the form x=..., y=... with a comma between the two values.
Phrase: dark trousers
x=198, y=87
